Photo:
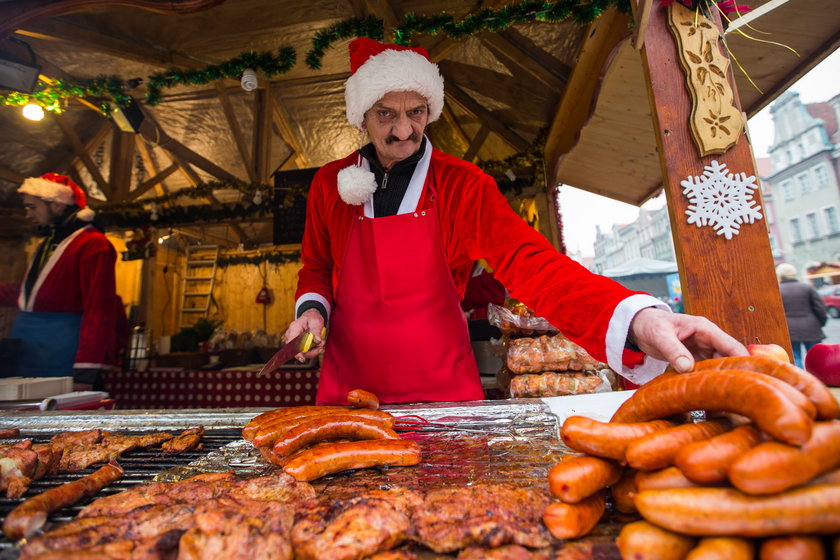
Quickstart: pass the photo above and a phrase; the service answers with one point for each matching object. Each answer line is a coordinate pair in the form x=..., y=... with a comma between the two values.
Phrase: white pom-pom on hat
x=356, y=185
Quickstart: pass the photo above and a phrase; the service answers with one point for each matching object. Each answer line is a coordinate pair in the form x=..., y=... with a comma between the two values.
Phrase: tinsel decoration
x=183, y=215
x=50, y=96
x=269, y=64
x=200, y=191
x=532, y=157
x=370, y=27
x=273, y=257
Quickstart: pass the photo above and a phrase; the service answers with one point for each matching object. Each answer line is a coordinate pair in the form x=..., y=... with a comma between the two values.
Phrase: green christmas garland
x=50, y=96
x=200, y=191
x=183, y=215
x=273, y=257
x=370, y=27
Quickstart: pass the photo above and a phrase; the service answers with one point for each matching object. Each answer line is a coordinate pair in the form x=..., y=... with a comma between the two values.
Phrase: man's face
x=39, y=211
x=395, y=125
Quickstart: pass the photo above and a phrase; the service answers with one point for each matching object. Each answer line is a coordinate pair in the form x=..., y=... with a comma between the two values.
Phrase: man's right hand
x=312, y=321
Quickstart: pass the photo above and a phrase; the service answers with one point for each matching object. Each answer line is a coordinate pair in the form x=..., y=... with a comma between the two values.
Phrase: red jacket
x=476, y=222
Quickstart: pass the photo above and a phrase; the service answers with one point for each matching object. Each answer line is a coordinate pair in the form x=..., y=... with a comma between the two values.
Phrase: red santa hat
x=379, y=68
x=53, y=187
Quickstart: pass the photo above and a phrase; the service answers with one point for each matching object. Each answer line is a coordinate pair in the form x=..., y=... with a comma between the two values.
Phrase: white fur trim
x=356, y=185
x=617, y=332
x=389, y=71
x=86, y=214
x=48, y=190
x=313, y=296
x=27, y=303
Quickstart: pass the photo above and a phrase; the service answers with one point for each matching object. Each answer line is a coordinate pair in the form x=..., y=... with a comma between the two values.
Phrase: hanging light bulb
x=153, y=215
x=33, y=112
x=258, y=199
x=249, y=79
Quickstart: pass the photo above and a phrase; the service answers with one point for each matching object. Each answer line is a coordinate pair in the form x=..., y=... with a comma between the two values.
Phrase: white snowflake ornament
x=721, y=199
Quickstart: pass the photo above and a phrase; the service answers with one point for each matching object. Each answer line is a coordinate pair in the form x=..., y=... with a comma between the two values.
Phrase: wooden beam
x=15, y=15
x=511, y=47
x=9, y=175
x=157, y=136
x=236, y=131
x=83, y=155
x=281, y=117
x=122, y=164
x=641, y=15
x=384, y=10
x=456, y=127
x=602, y=37
x=263, y=115
x=105, y=127
x=202, y=235
x=502, y=129
x=150, y=162
x=442, y=48
x=152, y=182
x=477, y=142
x=732, y=282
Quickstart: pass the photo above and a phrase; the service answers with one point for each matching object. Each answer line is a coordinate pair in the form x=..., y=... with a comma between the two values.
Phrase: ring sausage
x=707, y=462
x=606, y=439
x=362, y=399
x=331, y=427
x=795, y=547
x=322, y=460
x=657, y=450
x=742, y=392
x=641, y=540
x=269, y=433
x=773, y=467
x=571, y=521
x=251, y=428
x=722, y=548
x=579, y=476
x=827, y=406
x=729, y=512
x=31, y=515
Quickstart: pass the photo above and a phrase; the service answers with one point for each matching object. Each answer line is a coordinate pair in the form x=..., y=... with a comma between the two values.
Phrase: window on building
x=787, y=190
x=774, y=245
x=795, y=230
x=804, y=184
x=832, y=221
x=813, y=225
x=821, y=176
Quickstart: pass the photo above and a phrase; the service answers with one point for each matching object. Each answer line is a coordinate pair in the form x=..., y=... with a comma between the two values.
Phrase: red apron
x=397, y=328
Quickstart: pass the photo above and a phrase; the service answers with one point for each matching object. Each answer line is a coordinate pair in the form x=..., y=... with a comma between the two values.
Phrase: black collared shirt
x=392, y=183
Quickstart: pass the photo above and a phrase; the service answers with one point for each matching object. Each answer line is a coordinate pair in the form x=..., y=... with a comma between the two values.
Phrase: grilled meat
x=185, y=441
x=158, y=547
x=23, y=462
x=86, y=448
x=399, y=554
x=485, y=515
x=239, y=528
x=506, y=552
x=7, y=433
x=353, y=528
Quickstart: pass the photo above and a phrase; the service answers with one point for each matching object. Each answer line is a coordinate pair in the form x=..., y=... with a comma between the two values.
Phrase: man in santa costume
x=392, y=232
x=70, y=318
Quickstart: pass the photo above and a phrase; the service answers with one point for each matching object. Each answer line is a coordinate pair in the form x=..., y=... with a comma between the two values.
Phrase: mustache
x=391, y=139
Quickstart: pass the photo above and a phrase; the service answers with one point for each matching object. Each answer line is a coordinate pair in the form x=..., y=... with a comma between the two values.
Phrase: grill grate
x=140, y=465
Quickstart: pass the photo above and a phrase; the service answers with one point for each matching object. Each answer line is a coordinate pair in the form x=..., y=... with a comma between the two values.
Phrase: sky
x=582, y=211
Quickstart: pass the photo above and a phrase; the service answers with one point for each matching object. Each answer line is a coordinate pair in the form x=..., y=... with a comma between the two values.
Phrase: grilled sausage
x=795, y=547
x=606, y=439
x=657, y=450
x=810, y=385
x=362, y=399
x=829, y=477
x=707, y=462
x=577, y=477
x=269, y=433
x=742, y=392
x=571, y=521
x=327, y=459
x=331, y=427
x=773, y=467
x=641, y=540
x=624, y=491
x=722, y=548
x=251, y=428
x=31, y=515
x=9, y=433
x=669, y=477
x=730, y=512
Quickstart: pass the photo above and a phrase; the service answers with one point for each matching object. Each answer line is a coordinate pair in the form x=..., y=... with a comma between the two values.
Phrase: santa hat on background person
x=377, y=69
x=53, y=187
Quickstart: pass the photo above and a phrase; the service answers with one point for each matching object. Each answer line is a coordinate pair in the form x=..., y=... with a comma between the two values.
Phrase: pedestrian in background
x=804, y=309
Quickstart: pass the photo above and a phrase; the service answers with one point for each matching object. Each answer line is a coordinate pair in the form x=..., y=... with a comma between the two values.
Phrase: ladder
x=198, y=281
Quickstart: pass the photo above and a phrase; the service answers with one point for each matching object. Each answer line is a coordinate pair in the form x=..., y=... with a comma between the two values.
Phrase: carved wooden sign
x=716, y=123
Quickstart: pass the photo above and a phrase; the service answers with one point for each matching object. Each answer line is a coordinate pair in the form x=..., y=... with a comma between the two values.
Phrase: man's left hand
x=681, y=339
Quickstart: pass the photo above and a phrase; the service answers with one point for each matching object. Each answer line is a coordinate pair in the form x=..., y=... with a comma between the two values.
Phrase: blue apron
x=49, y=343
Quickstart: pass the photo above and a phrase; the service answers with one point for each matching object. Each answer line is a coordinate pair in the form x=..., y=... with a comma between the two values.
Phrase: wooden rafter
x=384, y=10
x=510, y=48
x=105, y=126
x=502, y=129
x=516, y=92
x=152, y=182
x=122, y=164
x=281, y=118
x=203, y=235
x=151, y=163
x=236, y=131
x=263, y=114
x=457, y=129
x=83, y=155
x=9, y=175
x=477, y=142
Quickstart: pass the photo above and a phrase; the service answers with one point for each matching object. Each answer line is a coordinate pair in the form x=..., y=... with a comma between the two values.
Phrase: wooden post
x=730, y=281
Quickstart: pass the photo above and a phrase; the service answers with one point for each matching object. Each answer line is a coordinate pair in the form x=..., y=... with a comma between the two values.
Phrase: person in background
x=804, y=310
x=392, y=233
x=70, y=318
